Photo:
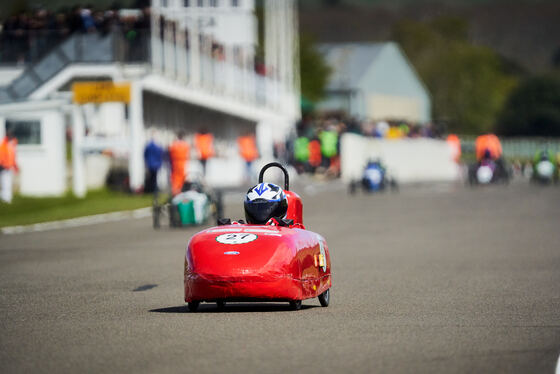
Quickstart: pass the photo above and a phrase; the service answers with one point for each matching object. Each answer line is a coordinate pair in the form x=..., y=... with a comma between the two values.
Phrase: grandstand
x=191, y=64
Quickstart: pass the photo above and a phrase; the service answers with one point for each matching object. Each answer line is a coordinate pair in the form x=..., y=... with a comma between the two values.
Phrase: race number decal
x=236, y=238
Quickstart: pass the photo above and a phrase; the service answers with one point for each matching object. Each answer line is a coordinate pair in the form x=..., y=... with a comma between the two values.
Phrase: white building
x=374, y=81
x=196, y=68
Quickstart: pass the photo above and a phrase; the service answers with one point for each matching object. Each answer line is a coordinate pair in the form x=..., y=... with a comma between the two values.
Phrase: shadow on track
x=144, y=287
x=234, y=308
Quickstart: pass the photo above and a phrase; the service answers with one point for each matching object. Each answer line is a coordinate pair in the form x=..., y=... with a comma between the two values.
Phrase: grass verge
x=29, y=210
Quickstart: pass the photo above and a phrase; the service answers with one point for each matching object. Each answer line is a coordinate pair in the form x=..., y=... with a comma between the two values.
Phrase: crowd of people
x=315, y=148
x=178, y=155
x=27, y=36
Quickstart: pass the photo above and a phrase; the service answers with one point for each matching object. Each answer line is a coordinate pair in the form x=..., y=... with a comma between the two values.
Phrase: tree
x=468, y=83
x=533, y=108
x=314, y=70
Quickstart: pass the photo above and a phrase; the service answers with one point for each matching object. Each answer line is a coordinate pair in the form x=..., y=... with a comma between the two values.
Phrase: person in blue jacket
x=153, y=159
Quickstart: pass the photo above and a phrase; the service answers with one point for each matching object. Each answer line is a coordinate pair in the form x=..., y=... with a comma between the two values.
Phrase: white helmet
x=265, y=201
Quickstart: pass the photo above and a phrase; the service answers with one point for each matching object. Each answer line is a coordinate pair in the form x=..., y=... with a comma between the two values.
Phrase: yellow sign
x=100, y=92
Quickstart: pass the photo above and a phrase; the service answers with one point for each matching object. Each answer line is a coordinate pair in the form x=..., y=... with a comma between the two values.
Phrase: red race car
x=276, y=261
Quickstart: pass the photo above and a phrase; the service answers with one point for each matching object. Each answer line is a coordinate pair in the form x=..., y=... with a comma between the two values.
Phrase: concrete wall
x=97, y=168
x=407, y=160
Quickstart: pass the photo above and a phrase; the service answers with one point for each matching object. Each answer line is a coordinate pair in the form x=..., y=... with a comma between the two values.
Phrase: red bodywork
x=257, y=262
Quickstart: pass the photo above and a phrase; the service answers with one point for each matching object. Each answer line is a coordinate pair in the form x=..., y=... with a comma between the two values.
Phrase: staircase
x=91, y=48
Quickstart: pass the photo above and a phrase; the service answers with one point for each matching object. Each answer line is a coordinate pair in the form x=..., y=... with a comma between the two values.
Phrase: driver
x=543, y=156
x=487, y=156
x=265, y=202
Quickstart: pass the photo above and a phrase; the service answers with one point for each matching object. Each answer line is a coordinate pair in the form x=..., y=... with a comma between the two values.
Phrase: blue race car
x=374, y=179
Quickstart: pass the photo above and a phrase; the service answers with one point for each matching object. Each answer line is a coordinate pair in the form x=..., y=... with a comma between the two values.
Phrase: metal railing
x=226, y=79
x=23, y=48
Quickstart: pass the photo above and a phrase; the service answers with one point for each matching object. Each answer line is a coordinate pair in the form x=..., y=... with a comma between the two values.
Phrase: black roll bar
x=278, y=165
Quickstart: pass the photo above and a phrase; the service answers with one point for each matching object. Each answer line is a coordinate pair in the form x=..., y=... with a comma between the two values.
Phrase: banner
x=100, y=92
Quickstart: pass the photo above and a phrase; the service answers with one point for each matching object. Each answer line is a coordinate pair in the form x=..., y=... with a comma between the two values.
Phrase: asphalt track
x=429, y=280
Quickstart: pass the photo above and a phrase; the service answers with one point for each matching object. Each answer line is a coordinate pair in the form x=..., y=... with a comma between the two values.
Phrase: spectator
x=248, y=151
x=179, y=154
x=88, y=22
x=315, y=156
x=8, y=165
x=301, y=153
x=204, y=145
x=329, y=143
x=153, y=159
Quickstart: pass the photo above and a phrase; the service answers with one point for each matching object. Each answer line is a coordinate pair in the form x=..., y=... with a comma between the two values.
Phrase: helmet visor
x=260, y=211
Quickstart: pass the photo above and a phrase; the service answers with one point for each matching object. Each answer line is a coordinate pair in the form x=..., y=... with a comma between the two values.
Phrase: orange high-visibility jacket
x=8, y=153
x=314, y=153
x=455, y=145
x=488, y=142
x=248, y=147
x=204, y=144
x=179, y=153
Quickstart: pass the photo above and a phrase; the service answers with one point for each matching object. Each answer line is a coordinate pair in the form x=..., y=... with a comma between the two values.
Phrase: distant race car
x=374, y=179
x=488, y=171
x=545, y=169
x=279, y=261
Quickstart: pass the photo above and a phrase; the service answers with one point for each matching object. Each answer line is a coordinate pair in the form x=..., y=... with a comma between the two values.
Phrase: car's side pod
x=295, y=206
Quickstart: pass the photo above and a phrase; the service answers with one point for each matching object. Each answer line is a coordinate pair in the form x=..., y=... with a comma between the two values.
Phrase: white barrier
x=407, y=160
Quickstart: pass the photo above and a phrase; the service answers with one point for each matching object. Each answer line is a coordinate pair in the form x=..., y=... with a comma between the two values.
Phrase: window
x=25, y=131
x=234, y=3
x=164, y=3
x=214, y=3
x=186, y=3
x=200, y=2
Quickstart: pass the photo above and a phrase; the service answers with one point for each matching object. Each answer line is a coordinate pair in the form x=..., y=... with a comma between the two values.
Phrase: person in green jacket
x=329, y=141
x=301, y=153
x=329, y=148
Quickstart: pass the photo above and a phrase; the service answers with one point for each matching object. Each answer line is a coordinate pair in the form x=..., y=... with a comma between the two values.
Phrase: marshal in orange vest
x=204, y=144
x=248, y=147
x=8, y=153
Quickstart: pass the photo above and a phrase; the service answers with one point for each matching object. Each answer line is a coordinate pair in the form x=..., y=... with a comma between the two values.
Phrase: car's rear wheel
x=193, y=306
x=295, y=304
x=325, y=298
